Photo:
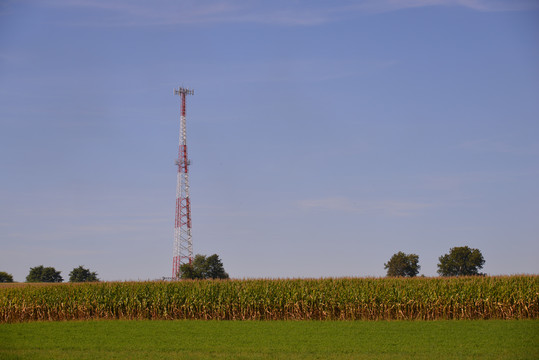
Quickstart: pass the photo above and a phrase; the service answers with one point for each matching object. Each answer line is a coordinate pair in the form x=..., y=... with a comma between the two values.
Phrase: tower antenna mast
x=183, y=244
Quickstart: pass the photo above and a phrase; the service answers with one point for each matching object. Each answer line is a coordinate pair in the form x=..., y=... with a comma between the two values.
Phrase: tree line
x=51, y=275
x=202, y=267
x=460, y=261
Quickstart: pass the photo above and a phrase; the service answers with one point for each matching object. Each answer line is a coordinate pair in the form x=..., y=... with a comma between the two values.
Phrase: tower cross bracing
x=183, y=244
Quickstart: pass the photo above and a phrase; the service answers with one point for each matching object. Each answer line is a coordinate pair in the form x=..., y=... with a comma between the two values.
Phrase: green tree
x=461, y=261
x=216, y=269
x=81, y=274
x=204, y=267
x=187, y=271
x=44, y=274
x=402, y=264
x=5, y=277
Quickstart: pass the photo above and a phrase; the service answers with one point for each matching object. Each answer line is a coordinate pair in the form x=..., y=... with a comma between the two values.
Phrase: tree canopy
x=5, y=277
x=204, y=267
x=44, y=274
x=81, y=274
x=402, y=264
x=461, y=261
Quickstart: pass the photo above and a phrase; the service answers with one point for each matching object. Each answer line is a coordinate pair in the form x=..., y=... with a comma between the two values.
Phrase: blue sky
x=324, y=136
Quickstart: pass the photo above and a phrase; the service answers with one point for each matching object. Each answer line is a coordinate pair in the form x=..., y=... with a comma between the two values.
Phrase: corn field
x=510, y=297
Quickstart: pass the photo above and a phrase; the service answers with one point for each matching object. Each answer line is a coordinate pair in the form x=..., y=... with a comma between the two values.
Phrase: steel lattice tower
x=183, y=244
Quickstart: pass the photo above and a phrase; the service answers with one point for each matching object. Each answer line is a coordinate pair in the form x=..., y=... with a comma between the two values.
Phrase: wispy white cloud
x=384, y=207
x=479, y=5
x=306, y=70
x=168, y=12
x=498, y=146
x=12, y=58
x=124, y=226
x=462, y=186
x=330, y=203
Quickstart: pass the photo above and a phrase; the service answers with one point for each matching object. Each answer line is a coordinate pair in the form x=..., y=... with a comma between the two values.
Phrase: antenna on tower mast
x=184, y=91
x=183, y=244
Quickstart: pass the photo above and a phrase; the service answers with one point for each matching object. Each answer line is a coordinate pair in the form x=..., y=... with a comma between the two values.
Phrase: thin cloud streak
x=50, y=252
x=498, y=146
x=162, y=13
x=478, y=5
x=384, y=207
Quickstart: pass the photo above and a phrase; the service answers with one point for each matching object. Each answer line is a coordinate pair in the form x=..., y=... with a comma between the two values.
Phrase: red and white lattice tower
x=183, y=245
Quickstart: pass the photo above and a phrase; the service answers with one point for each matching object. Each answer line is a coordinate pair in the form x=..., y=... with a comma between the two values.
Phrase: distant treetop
x=461, y=261
x=5, y=277
x=402, y=264
x=44, y=274
x=81, y=274
x=202, y=267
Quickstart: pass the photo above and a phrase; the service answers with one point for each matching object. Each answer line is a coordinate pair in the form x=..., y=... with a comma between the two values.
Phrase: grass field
x=192, y=339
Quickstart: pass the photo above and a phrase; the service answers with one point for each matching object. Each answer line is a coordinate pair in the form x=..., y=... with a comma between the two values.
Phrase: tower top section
x=182, y=91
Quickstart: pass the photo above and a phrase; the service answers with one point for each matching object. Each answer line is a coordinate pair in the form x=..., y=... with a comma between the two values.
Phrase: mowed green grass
x=193, y=339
